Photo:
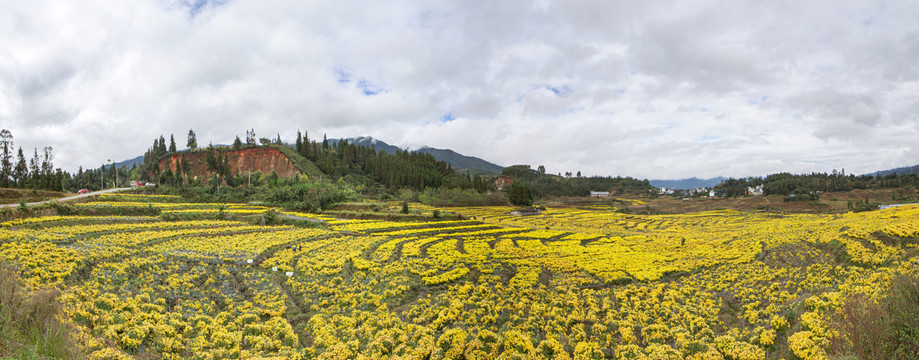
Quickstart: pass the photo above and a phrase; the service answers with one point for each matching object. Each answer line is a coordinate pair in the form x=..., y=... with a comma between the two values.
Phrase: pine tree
x=21, y=171
x=299, y=143
x=161, y=146
x=172, y=144
x=34, y=170
x=47, y=167
x=192, y=140
x=6, y=156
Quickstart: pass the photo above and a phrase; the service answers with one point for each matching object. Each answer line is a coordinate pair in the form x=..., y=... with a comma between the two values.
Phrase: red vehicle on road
x=82, y=191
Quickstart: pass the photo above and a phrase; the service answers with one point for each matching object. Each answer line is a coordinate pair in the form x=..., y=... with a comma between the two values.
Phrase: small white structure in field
x=524, y=212
x=289, y=273
x=274, y=268
x=599, y=194
x=248, y=261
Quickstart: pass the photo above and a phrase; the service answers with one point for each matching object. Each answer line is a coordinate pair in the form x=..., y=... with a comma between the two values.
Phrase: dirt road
x=70, y=197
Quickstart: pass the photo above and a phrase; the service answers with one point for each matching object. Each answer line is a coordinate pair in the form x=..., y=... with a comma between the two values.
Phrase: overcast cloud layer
x=650, y=89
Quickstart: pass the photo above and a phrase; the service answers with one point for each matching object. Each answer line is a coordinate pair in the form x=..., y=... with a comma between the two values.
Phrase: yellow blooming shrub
x=567, y=283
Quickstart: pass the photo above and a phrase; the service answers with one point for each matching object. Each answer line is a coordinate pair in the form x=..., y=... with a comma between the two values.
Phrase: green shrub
x=519, y=194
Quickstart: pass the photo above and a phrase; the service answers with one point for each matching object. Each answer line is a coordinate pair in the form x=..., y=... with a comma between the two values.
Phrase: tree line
x=791, y=184
x=543, y=185
x=38, y=172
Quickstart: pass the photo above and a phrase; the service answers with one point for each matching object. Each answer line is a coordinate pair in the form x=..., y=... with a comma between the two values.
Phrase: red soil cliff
x=262, y=159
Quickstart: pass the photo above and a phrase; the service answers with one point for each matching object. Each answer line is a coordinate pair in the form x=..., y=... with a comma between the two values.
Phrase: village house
x=755, y=191
x=503, y=181
x=598, y=194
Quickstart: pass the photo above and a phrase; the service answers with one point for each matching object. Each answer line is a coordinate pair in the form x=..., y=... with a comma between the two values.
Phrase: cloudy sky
x=650, y=89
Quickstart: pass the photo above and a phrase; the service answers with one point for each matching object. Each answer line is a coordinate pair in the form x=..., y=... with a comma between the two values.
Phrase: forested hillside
x=788, y=184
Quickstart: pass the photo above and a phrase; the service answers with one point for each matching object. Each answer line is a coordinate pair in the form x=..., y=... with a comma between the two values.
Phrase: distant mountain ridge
x=899, y=171
x=460, y=163
x=128, y=164
x=687, y=184
x=370, y=142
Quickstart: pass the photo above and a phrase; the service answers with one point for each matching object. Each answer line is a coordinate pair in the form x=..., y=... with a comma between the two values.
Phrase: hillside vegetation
x=414, y=176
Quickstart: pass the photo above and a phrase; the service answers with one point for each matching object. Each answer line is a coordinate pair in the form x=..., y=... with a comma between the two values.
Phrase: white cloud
x=656, y=89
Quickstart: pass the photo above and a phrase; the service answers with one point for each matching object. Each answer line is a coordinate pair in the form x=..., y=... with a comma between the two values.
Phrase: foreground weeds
x=30, y=327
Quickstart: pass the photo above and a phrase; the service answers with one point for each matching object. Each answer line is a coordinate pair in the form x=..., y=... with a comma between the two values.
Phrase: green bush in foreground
x=884, y=329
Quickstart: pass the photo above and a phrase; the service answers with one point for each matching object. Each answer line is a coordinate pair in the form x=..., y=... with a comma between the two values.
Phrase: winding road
x=94, y=193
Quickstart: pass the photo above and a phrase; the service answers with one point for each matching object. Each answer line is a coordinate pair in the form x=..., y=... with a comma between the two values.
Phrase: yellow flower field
x=570, y=283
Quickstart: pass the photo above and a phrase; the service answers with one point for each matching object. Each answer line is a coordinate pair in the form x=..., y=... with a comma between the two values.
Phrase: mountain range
x=898, y=171
x=460, y=163
x=686, y=184
x=128, y=164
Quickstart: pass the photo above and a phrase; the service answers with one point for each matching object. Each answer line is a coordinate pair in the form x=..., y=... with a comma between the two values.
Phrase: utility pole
x=116, y=172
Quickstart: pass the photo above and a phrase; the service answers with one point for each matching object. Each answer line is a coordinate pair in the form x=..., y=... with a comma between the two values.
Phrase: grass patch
x=30, y=327
x=884, y=329
x=15, y=196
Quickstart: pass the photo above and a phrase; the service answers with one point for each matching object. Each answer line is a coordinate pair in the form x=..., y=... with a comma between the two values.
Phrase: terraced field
x=568, y=283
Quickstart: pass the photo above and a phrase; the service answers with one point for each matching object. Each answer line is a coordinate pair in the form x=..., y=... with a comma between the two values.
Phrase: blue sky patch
x=344, y=77
x=195, y=7
x=448, y=117
x=561, y=91
x=369, y=88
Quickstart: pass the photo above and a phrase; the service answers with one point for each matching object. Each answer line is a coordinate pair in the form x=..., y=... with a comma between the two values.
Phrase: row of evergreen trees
x=37, y=172
x=404, y=169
